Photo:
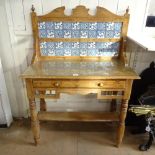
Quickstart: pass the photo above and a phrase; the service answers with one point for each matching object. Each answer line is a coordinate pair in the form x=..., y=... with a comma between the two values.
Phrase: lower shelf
x=78, y=116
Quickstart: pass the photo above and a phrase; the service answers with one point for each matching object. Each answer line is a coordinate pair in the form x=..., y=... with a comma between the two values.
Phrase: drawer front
x=78, y=84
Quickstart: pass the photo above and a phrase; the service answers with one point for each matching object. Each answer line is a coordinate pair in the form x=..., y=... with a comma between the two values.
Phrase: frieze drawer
x=78, y=83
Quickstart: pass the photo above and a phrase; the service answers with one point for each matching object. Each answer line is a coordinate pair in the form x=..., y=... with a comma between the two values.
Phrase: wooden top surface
x=79, y=69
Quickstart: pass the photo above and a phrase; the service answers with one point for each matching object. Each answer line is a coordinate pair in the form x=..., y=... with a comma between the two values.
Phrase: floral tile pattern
x=79, y=48
x=79, y=29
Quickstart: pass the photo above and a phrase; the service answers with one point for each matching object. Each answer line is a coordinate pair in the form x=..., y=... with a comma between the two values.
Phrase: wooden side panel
x=36, y=55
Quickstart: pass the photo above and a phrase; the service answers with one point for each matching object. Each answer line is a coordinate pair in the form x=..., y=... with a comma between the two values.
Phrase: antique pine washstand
x=80, y=54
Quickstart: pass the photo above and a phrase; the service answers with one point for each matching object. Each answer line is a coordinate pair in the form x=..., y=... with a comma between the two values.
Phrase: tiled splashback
x=79, y=48
x=79, y=30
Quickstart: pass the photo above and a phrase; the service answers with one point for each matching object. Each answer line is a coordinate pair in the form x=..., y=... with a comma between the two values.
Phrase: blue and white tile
x=100, y=50
x=59, y=52
x=107, y=45
x=91, y=45
x=92, y=52
x=50, y=33
x=67, y=52
x=58, y=25
x=115, y=46
x=41, y=26
x=114, y=50
x=110, y=26
x=50, y=45
x=67, y=33
x=67, y=25
x=117, y=34
x=101, y=26
x=58, y=33
x=109, y=34
x=58, y=45
x=83, y=33
x=110, y=53
x=102, y=53
x=67, y=45
x=98, y=53
x=93, y=26
x=83, y=45
x=44, y=52
x=100, y=34
x=75, y=34
x=100, y=44
x=75, y=25
x=42, y=33
x=43, y=45
x=92, y=34
x=75, y=45
x=106, y=53
x=50, y=25
x=75, y=52
x=118, y=26
x=84, y=25
x=83, y=52
x=51, y=52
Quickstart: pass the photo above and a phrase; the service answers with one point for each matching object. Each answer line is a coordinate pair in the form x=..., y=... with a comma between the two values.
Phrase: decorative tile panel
x=79, y=48
x=79, y=29
x=75, y=25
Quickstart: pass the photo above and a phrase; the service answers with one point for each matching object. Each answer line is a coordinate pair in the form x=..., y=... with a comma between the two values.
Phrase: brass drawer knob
x=100, y=84
x=57, y=84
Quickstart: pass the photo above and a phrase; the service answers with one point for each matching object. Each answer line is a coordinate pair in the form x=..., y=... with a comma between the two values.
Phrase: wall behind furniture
x=19, y=51
x=8, y=61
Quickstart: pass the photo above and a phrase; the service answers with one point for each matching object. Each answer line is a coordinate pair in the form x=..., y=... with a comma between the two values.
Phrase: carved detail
x=81, y=11
x=35, y=123
x=32, y=8
x=32, y=104
x=102, y=12
x=124, y=106
x=127, y=11
x=121, y=127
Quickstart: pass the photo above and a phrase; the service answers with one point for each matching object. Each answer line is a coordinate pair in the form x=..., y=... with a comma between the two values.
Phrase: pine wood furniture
x=81, y=54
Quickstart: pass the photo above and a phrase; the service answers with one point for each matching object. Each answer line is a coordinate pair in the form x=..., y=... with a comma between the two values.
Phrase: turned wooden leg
x=121, y=128
x=34, y=121
x=42, y=102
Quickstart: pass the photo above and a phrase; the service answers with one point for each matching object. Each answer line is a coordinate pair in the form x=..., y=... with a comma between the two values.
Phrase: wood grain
x=78, y=116
x=104, y=76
